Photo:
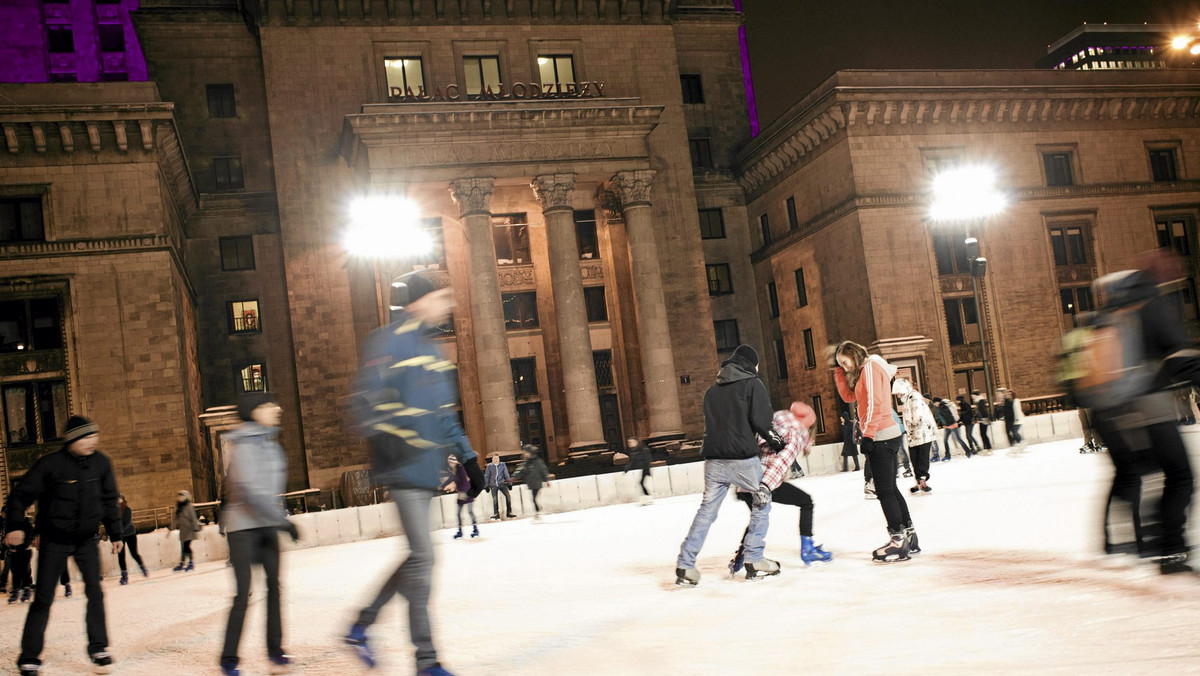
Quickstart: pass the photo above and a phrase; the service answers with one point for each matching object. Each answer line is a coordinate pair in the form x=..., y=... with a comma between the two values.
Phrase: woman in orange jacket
x=866, y=381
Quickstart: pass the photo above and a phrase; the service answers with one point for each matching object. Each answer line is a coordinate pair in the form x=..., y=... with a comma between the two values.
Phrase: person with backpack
x=966, y=415
x=950, y=427
x=1122, y=368
x=983, y=416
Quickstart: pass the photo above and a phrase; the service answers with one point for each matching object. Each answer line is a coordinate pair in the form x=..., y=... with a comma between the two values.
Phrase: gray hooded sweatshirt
x=255, y=477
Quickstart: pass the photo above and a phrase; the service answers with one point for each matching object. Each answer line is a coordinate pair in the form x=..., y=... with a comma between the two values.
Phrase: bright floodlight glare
x=1181, y=41
x=1195, y=49
x=965, y=193
x=385, y=227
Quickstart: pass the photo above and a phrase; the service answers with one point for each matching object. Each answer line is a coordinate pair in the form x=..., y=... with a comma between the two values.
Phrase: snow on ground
x=1009, y=582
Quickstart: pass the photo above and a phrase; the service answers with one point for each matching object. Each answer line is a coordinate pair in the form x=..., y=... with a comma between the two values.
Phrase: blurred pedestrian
x=849, y=448
x=966, y=417
x=534, y=474
x=458, y=482
x=188, y=525
x=983, y=416
x=639, y=461
x=1014, y=417
x=948, y=413
x=128, y=535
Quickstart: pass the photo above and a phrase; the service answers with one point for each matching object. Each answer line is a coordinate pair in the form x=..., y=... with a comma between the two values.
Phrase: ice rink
x=1009, y=582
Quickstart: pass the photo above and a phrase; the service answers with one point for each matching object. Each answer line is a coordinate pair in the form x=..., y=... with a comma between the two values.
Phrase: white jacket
x=919, y=425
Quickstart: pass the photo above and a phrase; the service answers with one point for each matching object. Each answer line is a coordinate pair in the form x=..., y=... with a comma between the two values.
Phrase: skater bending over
x=792, y=426
x=865, y=380
x=736, y=409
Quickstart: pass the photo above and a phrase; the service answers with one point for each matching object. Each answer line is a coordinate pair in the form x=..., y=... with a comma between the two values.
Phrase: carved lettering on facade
x=503, y=152
x=517, y=91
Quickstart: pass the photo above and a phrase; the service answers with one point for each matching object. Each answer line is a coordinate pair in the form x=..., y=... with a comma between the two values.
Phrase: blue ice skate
x=812, y=553
x=357, y=640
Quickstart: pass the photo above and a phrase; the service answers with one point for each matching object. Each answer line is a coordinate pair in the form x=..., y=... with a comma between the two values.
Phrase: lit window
x=252, y=378
x=585, y=235
x=524, y=375
x=482, y=73
x=520, y=310
x=404, y=76
x=510, y=232
x=557, y=69
x=719, y=282
x=1076, y=299
x=23, y=401
x=30, y=324
x=243, y=317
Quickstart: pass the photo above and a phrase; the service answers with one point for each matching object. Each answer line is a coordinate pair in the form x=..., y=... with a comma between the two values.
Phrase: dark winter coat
x=981, y=411
x=737, y=409
x=534, y=473
x=849, y=448
x=405, y=401
x=127, y=528
x=74, y=495
x=185, y=521
x=966, y=413
x=639, y=457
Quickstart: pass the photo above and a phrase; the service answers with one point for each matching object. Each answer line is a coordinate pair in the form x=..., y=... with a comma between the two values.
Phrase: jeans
x=719, y=475
x=496, y=491
x=131, y=545
x=984, y=429
x=882, y=456
x=246, y=548
x=968, y=430
x=956, y=434
x=413, y=578
x=52, y=561
x=920, y=460
x=1013, y=430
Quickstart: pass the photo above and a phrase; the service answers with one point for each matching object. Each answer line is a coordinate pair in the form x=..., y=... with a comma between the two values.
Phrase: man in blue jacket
x=497, y=480
x=405, y=401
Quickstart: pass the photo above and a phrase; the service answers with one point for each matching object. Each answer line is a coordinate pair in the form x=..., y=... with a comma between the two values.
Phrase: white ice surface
x=1009, y=582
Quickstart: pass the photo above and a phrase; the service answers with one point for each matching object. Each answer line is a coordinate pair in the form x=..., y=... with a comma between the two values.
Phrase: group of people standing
x=497, y=481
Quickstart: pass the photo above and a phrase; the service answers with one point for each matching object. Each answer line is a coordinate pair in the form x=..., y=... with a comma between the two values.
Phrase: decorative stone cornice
x=472, y=195
x=554, y=191
x=885, y=103
x=633, y=187
x=441, y=12
x=86, y=247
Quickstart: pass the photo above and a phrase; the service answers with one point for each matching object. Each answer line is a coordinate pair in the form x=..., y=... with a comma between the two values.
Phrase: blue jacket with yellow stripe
x=405, y=401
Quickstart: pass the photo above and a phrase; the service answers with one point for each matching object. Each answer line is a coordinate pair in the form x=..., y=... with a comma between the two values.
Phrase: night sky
x=797, y=44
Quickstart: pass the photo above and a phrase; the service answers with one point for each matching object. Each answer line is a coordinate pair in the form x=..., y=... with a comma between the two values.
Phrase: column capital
x=606, y=200
x=554, y=191
x=472, y=195
x=633, y=187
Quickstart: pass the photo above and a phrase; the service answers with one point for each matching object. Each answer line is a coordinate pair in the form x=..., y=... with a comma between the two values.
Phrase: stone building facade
x=1097, y=168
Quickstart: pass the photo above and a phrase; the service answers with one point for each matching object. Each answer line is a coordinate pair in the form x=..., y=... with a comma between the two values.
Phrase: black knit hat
x=79, y=427
x=412, y=286
x=745, y=356
x=246, y=403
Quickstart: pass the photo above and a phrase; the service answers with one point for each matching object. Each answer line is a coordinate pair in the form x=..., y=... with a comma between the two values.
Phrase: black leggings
x=642, y=482
x=882, y=457
x=787, y=494
x=920, y=460
x=185, y=552
x=131, y=545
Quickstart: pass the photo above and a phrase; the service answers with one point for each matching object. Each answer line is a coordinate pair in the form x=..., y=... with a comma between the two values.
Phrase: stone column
x=658, y=359
x=473, y=197
x=554, y=191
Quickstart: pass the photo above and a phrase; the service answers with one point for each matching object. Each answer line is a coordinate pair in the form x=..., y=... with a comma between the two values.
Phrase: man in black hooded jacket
x=75, y=491
x=737, y=410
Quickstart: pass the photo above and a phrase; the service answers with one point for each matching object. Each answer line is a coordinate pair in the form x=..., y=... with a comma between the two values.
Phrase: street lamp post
x=964, y=195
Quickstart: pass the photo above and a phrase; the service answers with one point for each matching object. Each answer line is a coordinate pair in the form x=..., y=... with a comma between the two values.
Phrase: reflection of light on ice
x=1007, y=582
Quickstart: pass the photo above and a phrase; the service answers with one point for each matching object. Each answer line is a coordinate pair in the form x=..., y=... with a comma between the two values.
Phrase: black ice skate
x=101, y=662
x=761, y=569
x=1172, y=564
x=687, y=577
x=895, y=550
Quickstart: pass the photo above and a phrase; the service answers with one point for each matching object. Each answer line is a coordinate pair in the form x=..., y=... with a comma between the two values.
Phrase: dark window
x=112, y=37
x=221, y=102
x=1076, y=299
x=21, y=219
x=693, y=88
x=1058, y=168
x=251, y=378
x=781, y=366
x=404, y=76
x=108, y=2
x=793, y=221
x=511, y=235
x=1069, y=246
x=556, y=69
x=227, y=172
x=701, y=150
x=529, y=423
x=243, y=316
x=819, y=410
x=64, y=77
x=1162, y=165
x=773, y=299
x=597, y=308
x=237, y=253
x=116, y=77
x=1173, y=234
x=34, y=412
x=712, y=224
x=951, y=252
x=482, y=73
x=801, y=291
x=602, y=361
x=810, y=350
x=719, y=282
x=764, y=225
x=727, y=334
x=961, y=323
x=32, y=324
x=524, y=375
x=61, y=39
x=585, y=235
x=520, y=310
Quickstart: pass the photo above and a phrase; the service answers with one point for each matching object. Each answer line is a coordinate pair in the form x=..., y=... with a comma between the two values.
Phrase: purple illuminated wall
x=25, y=27
x=747, y=78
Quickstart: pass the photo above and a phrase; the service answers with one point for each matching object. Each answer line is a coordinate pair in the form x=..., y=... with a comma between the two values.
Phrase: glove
x=290, y=528
x=763, y=496
x=775, y=441
x=476, y=476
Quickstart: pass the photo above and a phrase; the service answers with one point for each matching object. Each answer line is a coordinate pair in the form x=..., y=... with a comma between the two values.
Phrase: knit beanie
x=246, y=403
x=745, y=356
x=411, y=287
x=78, y=427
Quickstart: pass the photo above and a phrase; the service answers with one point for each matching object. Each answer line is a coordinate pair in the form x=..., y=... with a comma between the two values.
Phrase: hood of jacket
x=882, y=363
x=251, y=429
x=901, y=387
x=732, y=372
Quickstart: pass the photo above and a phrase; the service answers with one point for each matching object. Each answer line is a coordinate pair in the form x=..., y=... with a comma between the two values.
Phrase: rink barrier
x=160, y=549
